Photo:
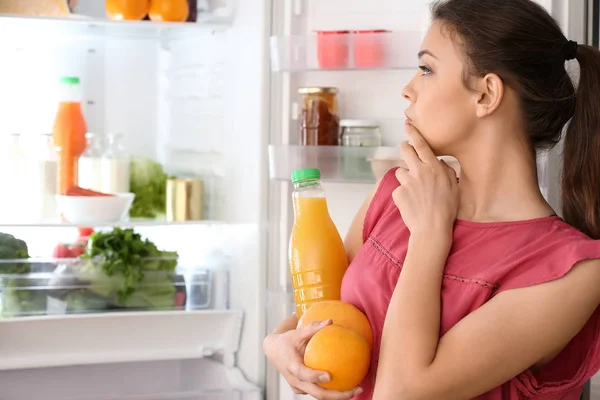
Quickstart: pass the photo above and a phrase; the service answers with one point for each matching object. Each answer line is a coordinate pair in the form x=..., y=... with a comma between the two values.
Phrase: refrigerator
x=215, y=99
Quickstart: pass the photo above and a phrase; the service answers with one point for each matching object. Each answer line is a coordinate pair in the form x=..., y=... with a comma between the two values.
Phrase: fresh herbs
x=124, y=255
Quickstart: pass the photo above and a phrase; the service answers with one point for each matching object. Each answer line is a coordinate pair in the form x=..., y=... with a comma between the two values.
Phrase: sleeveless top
x=485, y=259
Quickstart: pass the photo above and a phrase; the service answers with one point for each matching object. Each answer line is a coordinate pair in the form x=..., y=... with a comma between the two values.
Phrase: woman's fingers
x=305, y=374
x=325, y=394
x=303, y=334
x=402, y=175
x=410, y=156
x=420, y=145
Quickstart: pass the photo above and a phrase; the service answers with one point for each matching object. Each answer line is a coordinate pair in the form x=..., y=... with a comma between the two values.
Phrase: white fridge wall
x=240, y=101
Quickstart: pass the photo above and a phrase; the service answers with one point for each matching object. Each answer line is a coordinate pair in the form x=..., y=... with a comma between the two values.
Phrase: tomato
x=85, y=232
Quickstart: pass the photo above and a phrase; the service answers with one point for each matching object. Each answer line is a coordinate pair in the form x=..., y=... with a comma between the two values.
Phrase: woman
x=476, y=289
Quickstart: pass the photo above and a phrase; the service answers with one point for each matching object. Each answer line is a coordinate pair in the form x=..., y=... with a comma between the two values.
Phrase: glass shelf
x=346, y=51
x=124, y=224
x=337, y=163
x=27, y=30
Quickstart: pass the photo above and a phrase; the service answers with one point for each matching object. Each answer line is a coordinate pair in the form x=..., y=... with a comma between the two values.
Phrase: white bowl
x=94, y=210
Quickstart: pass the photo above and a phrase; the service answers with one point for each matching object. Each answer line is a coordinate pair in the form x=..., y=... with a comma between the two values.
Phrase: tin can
x=184, y=199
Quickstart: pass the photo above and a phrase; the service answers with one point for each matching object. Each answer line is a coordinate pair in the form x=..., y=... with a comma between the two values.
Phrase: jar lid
x=313, y=90
x=359, y=123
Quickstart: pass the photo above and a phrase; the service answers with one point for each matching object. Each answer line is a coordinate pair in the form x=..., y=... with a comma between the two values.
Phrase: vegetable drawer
x=32, y=287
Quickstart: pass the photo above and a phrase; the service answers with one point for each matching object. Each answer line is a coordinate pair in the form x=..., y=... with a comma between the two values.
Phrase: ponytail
x=581, y=155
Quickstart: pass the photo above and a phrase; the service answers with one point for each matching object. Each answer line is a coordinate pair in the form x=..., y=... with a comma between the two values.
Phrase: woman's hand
x=286, y=352
x=428, y=193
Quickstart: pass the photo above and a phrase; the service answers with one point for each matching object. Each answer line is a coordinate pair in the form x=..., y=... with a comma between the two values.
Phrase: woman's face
x=441, y=107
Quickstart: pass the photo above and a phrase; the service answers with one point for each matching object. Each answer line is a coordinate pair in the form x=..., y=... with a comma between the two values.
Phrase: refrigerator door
x=363, y=94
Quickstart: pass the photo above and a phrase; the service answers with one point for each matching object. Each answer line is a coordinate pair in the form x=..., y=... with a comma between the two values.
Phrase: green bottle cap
x=306, y=174
x=69, y=80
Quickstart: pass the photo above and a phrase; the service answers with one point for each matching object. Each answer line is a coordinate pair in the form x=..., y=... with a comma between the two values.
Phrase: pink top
x=485, y=259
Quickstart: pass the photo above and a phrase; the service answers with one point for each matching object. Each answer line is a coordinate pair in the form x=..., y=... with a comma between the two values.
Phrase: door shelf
x=348, y=51
x=337, y=163
x=116, y=338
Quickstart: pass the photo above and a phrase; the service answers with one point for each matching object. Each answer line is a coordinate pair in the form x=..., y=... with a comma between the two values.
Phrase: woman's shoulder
x=540, y=252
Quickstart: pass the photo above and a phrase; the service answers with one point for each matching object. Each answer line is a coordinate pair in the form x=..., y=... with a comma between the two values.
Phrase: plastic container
x=370, y=48
x=69, y=133
x=317, y=257
x=72, y=286
x=333, y=49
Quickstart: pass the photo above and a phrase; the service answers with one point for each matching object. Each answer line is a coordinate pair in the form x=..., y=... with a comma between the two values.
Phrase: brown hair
x=521, y=43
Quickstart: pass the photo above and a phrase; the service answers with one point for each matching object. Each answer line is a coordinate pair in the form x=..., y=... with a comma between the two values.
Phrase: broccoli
x=17, y=297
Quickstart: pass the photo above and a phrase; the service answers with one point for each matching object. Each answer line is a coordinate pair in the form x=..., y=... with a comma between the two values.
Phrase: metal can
x=184, y=199
x=319, y=120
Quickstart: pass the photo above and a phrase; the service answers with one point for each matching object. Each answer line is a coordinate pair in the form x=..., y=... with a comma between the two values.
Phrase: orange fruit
x=132, y=10
x=344, y=354
x=342, y=314
x=169, y=10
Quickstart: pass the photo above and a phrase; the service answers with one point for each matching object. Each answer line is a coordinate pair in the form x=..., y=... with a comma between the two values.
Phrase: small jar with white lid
x=360, y=133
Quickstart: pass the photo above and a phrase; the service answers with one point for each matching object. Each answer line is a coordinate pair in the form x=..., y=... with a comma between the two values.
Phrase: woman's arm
x=354, y=239
x=516, y=330
x=509, y=334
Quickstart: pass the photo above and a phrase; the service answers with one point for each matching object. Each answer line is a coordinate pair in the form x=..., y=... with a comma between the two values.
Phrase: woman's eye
x=426, y=71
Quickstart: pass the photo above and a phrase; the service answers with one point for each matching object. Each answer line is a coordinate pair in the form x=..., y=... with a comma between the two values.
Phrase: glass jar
x=360, y=133
x=90, y=163
x=115, y=166
x=319, y=120
x=42, y=175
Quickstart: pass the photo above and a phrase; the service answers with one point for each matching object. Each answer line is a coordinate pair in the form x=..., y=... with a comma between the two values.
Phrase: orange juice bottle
x=317, y=257
x=69, y=133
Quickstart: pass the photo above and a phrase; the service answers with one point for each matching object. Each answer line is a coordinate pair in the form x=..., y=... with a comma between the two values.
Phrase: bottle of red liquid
x=69, y=133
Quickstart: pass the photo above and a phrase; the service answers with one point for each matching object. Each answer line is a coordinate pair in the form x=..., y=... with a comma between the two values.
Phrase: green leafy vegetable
x=12, y=248
x=133, y=268
x=148, y=181
x=17, y=296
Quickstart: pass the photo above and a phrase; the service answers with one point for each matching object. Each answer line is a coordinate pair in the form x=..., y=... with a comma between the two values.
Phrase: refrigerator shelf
x=36, y=30
x=348, y=51
x=95, y=339
x=133, y=223
x=337, y=163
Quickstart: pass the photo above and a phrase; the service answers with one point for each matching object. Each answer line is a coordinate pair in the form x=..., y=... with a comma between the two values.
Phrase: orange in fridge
x=344, y=354
x=317, y=256
x=131, y=10
x=169, y=10
x=342, y=314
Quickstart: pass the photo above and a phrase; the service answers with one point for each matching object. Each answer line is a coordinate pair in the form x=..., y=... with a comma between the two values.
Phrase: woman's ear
x=490, y=91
